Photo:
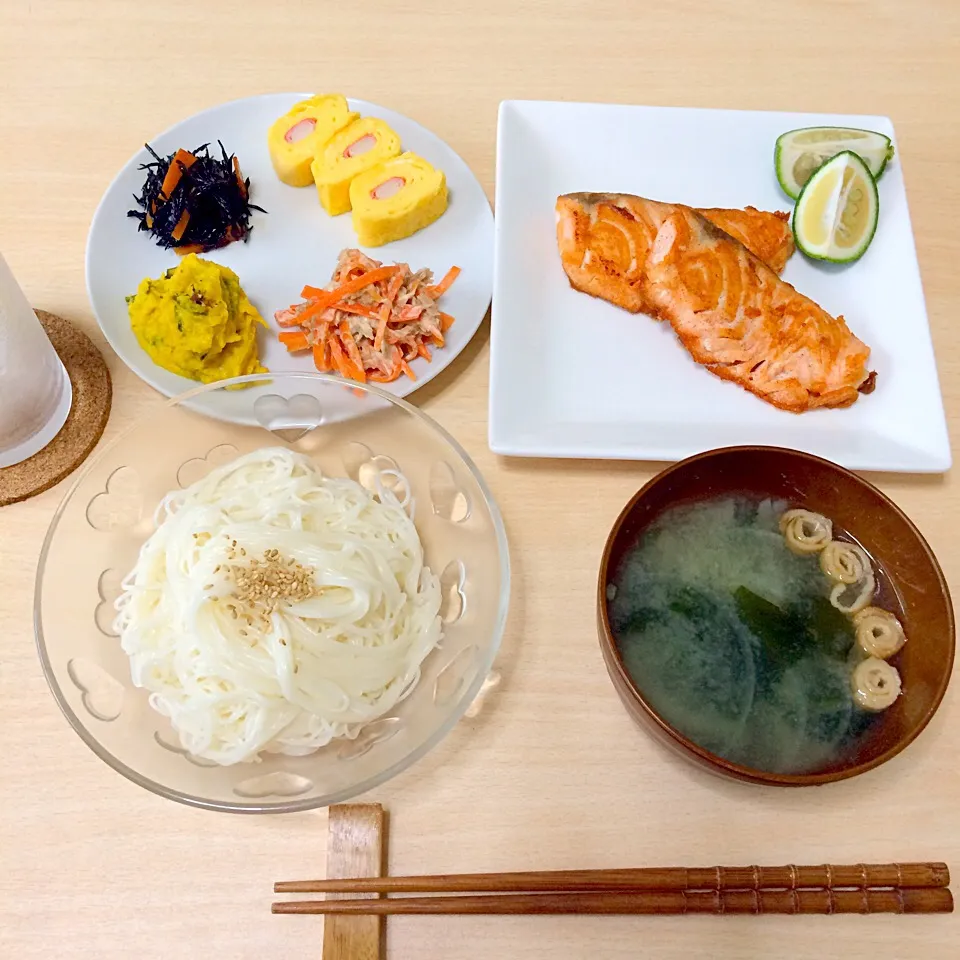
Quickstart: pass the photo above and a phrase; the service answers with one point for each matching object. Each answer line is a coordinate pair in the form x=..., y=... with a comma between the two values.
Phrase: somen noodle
x=275, y=608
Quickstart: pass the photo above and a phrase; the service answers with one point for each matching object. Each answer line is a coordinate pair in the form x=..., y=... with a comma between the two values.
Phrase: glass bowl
x=355, y=431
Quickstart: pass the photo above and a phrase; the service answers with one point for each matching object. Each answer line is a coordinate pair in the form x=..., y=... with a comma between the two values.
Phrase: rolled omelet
x=396, y=198
x=300, y=134
x=356, y=148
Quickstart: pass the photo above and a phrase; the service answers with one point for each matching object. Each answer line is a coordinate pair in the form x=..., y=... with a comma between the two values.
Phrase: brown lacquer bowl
x=862, y=511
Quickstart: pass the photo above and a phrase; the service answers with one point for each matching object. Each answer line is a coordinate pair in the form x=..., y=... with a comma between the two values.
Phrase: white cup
x=35, y=391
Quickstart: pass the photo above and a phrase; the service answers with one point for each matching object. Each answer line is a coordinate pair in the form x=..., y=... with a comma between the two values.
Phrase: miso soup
x=733, y=640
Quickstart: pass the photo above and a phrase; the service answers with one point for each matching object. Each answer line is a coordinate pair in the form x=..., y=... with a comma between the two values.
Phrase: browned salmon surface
x=728, y=307
x=616, y=247
x=766, y=235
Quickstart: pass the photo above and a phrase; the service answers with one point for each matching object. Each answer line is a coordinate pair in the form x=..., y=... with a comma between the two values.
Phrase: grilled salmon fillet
x=766, y=235
x=622, y=228
x=729, y=308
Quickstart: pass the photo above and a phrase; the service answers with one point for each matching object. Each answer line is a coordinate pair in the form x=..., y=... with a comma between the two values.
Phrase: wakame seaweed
x=208, y=205
x=782, y=634
x=788, y=633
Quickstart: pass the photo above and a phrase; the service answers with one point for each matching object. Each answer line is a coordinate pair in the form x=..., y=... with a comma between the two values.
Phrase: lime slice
x=836, y=216
x=799, y=153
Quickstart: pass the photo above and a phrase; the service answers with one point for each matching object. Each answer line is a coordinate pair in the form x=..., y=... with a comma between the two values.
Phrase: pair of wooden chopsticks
x=860, y=888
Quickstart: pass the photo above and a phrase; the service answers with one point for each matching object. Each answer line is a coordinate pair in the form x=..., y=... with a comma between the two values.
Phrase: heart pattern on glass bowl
x=377, y=470
x=169, y=741
x=450, y=501
x=196, y=468
x=280, y=783
x=490, y=683
x=354, y=455
x=101, y=694
x=119, y=505
x=379, y=731
x=453, y=676
x=109, y=586
x=288, y=418
x=453, y=598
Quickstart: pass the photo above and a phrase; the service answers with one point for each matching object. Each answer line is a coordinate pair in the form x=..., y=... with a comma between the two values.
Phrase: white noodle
x=317, y=668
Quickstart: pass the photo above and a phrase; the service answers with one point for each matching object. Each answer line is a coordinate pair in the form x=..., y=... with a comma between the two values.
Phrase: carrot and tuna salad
x=370, y=320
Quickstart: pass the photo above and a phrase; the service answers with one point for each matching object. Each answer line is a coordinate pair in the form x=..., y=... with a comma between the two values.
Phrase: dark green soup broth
x=732, y=638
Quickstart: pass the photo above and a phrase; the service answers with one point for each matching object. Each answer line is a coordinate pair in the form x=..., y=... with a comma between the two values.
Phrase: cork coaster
x=92, y=394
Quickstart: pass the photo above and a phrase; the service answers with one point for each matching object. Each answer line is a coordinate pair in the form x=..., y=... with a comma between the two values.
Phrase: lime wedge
x=836, y=215
x=801, y=152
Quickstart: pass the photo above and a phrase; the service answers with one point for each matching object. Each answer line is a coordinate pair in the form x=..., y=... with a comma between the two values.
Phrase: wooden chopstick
x=652, y=902
x=861, y=875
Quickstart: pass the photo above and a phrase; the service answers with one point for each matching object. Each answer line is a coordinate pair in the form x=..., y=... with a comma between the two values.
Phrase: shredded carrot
x=353, y=351
x=240, y=180
x=321, y=358
x=353, y=372
x=396, y=282
x=182, y=160
x=405, y=367
x=381, y=330
x=393, y=288
x=438, y=290
x=189, y=248
x=351, y=286
x=370, y=322
x=360, y=309
x=294, y=340
x=287, y=318
x=181, y=228
x=336, y=356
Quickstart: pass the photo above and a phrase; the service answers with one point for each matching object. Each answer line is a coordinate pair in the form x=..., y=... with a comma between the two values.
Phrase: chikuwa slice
x=836, y=216
x=875, y=684
x=879, y=633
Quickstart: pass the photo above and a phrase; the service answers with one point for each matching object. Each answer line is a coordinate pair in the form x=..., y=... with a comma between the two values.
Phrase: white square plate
x=573, y=376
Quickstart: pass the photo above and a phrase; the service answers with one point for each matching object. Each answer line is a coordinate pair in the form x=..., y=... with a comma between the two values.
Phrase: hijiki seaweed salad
x=193, y=201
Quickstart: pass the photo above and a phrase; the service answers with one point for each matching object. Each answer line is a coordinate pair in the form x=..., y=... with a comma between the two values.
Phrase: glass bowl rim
x=291, y=805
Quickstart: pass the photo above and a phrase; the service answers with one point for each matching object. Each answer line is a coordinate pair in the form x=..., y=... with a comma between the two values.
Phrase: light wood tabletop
x=552, y=773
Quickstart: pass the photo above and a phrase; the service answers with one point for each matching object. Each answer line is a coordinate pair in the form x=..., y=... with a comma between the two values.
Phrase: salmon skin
x=730, y=310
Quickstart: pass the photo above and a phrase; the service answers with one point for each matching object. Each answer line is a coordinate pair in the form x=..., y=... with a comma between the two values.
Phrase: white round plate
x=294, y=243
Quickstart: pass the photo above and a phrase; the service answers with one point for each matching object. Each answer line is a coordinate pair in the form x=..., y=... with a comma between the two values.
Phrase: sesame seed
x=261, y=585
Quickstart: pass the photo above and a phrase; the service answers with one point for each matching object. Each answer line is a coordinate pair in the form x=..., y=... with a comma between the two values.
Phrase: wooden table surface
x=552, y=773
